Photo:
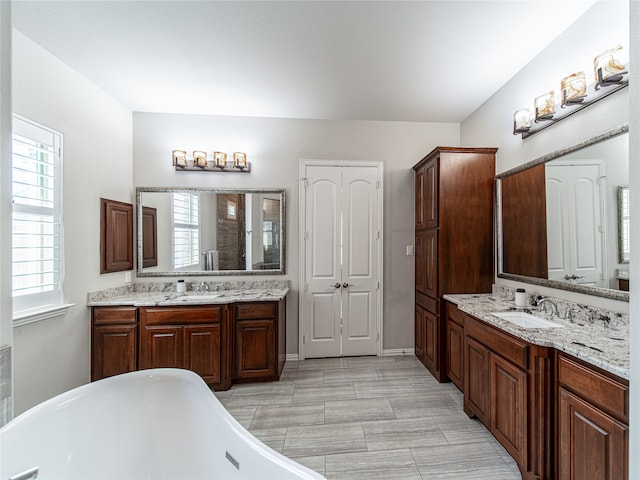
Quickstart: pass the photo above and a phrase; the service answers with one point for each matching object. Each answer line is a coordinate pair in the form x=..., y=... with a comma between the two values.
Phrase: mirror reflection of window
x=186, y=230
x=623, y=217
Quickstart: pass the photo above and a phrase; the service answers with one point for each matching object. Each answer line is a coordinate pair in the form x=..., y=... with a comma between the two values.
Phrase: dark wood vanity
x=556, y=415
x=227, y=343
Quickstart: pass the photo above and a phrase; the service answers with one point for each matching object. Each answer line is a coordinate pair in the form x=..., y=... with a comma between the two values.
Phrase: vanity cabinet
x=236, y=342
x=258, y=354
x=507, y=386
x=453, y=240
x=191, y=337
x=593, y=418
x=114, y=338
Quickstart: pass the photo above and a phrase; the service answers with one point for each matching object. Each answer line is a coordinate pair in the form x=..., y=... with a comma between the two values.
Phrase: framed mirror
x=558, y=221
x=210, y=231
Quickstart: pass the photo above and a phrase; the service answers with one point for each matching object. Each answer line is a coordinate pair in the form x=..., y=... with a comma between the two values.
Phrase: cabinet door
x=455, y=353
x=255, y=349
x=420, y=199
x=592, y=445
x=476, y=380
x=431, y=336
x=419, y=333
x=431, y=193
x=509, y=407
x=161, y=347
x=203, y=352
x=113, y=350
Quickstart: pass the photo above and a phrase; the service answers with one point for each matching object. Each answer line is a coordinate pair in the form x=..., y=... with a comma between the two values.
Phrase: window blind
x=186, y=230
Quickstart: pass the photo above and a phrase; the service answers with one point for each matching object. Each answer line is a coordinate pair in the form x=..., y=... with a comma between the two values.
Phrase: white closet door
x=574, y=234
x=342, y=238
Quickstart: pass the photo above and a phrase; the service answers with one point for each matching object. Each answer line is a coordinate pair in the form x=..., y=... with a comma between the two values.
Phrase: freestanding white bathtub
x=151, y=424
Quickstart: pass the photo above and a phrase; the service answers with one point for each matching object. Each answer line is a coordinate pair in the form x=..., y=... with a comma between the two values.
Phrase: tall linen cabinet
x=453, y=241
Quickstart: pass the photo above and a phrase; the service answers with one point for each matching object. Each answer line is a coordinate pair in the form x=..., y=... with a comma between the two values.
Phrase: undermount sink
x=199, y=298
x=526, y=320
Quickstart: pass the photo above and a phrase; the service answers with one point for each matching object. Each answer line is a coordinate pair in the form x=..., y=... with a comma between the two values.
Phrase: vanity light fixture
x=200, y=163
x=610, y=70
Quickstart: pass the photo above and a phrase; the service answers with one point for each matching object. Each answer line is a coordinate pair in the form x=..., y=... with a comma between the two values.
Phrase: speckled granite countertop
x=601, y=339
x=164, y=294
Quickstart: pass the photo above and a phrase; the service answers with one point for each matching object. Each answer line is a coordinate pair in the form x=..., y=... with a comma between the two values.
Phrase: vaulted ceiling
x=426, y=61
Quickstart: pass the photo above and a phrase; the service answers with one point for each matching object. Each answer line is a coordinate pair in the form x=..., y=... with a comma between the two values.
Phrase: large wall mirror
x=561, y=223
x=210, y=231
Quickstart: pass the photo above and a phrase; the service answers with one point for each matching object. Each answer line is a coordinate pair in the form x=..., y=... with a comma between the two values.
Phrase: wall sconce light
x=240, y=160
x=200, y=159
x=179, y=158
x=574, y=89
x=220, y=159
x=609, y=67
x=521, y=121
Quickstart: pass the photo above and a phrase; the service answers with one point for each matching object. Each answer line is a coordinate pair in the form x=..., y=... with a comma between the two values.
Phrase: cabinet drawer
x=599, y=390
x=114, y=315
x=179, y=315
x=428, y=303
x=454, y=314
x=247, y=311
x=508, y=347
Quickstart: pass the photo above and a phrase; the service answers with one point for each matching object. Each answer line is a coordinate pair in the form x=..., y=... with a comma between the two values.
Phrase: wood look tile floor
x=369, y=418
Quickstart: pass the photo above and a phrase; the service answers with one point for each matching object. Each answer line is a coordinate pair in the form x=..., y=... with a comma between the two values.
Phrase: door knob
x=337, y=285
x=345, y=285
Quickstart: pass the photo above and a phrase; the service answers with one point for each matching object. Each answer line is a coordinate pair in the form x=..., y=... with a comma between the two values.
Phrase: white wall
x=53, y=356
x=492, y=123
x=274, y=148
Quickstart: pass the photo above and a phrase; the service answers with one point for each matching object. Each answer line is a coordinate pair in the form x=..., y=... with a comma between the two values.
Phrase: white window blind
x=37, y=216
x=186, y=230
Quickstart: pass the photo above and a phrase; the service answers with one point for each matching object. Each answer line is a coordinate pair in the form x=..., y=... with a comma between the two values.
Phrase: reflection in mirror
x=558, y=217
x=623, y=224
x=205, y=231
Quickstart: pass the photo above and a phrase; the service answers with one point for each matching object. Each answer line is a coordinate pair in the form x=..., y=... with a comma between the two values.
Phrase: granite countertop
x=602, y=342
x=164, y=294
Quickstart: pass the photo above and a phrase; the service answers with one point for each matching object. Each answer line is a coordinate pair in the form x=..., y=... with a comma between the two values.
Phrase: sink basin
x=526, y=320
x=199, y=298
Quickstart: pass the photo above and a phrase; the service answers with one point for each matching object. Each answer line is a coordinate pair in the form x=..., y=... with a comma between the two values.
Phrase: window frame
x=187, y=227
x=45, y=304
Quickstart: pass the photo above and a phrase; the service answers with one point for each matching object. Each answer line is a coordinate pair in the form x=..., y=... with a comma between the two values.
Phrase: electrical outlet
x=409, y=250
x=127, y=277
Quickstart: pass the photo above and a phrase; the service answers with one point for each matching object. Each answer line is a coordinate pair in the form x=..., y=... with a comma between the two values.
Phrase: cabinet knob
x=345, y=285
x=337, y=285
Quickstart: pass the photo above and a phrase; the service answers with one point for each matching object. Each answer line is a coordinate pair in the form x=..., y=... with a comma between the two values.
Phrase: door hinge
x=305, y=182
x=378, y=235
x=377, y=183
x=306, y=235
x=378, y=337
x=304, y=339
x=306, y=287
x=377, y=285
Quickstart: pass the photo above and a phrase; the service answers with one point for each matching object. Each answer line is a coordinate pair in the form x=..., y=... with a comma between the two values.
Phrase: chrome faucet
x=203, y=287
x=543, y=309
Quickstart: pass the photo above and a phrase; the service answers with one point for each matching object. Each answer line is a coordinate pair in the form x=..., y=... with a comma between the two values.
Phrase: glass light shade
x=240, y=160
x=609, y=66
x=522, y=120
x=200, y=159
x=574, y=88
x=179, y=158
x=545, y=106
x=220, y=159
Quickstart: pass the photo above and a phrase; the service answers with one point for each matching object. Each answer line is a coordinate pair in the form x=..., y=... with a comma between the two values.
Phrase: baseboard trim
x=391, y=352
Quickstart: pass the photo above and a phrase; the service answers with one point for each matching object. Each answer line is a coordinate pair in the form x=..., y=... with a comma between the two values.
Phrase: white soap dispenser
x=521, y=298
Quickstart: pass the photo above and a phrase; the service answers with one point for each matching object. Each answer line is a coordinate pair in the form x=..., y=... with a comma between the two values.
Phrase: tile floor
x=369, y=418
